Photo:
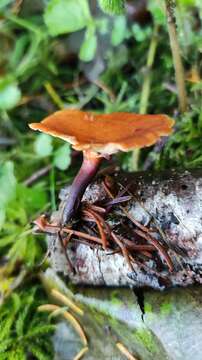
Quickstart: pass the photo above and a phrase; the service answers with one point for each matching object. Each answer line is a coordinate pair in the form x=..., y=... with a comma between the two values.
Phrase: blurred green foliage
x=63, y=16
x=60, y=54
x=112, y=7
x=8, y=186
x=23, y=330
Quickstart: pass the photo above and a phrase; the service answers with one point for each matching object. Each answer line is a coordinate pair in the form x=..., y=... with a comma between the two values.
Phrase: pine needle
x=73, y=321
x=125, y=351
x=66, y=301
x=81, y=353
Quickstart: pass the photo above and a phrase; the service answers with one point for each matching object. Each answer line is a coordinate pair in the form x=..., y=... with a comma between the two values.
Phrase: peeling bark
x=169, y=204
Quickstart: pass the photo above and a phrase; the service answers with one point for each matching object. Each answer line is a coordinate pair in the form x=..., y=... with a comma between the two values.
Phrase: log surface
x=168, y=202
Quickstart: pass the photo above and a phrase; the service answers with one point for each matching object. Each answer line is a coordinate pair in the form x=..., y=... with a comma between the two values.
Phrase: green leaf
x=39, y=353
x=7, y=240
x=7, y=323
x=7, y=187
x=18, y=51
x=4, y=3
x=140, y=33
x=7, y=182
x=43, y=145
x=32, y=250
x=20, y=322
x=62, y=157
x=10, y=94
x=89, y=46
x=102, y=25
x=187, y=2
x=112, y=7
x=65, y=16
x=5, y=344
x=158, y=11
x=119, y=31
x=17, y=353
x=40, y=330
x=2, y=217
x=31, y=199
x=22, y=329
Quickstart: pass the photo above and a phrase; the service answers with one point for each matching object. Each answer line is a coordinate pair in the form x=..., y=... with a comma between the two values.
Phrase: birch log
x=168, y=203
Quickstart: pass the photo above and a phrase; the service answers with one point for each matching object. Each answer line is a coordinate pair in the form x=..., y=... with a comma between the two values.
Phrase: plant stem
x=148, y=72
x=54, y=95
x=146, y=87
x=177, y=60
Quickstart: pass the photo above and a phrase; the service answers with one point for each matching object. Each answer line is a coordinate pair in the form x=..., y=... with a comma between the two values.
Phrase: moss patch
x=166, y=308
x=115, y=298
x=147, y=339
x=148, y=308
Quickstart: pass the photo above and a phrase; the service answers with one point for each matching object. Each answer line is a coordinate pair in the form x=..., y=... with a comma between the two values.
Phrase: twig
x=135, y=222
x=119, y=200
x=123, y=249
x=87, y=243
x=97, y=208
x=37, y=175
x=65, y=252
x=145, y=209
x=96, y=217
x=106, y=89
x=177, y=60
x=158, y=246
x=16, y=6
x=145, y=233
x=138, y=247
x=7, y=142
x=53, y=229
x=83, y=235
x=66, y=240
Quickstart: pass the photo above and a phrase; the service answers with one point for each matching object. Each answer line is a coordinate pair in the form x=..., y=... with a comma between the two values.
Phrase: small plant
x=112, y=7
x=23, y=331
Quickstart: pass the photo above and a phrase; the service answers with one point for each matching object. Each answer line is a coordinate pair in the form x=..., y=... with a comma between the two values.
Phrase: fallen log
x=165, y=325
x=152, y=225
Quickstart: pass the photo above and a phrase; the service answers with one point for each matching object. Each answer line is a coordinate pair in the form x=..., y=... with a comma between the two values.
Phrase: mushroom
x=100, y=136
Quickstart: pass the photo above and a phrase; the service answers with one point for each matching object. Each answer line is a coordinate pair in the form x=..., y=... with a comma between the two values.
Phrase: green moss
x=115, y=300
x=98, y=317
x=148, y=308
x=166, y=308
x=115, y=324
x=149, y=313
x=147, y=339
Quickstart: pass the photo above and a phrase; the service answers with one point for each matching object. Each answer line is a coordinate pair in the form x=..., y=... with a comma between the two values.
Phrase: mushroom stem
x=89, y=167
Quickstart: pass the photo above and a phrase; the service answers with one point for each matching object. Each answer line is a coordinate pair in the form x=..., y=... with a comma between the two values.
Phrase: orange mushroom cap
x=107, y=133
